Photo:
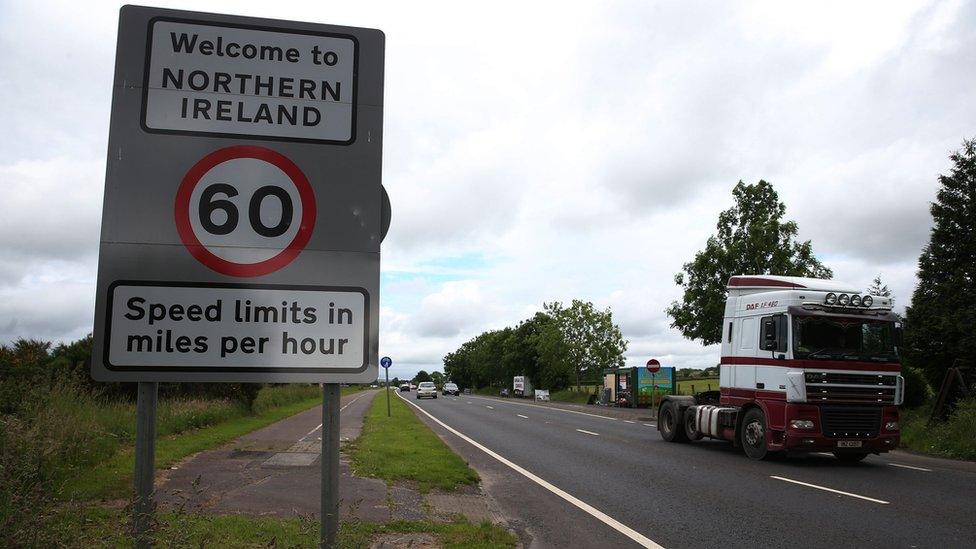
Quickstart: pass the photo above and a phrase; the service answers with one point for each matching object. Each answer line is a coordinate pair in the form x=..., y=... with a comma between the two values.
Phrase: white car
x=426, y=389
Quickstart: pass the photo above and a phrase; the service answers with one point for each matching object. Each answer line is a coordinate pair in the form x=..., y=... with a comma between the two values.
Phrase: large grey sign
x=242, y=215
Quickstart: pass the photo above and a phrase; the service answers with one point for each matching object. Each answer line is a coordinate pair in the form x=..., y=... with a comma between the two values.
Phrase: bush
x=917, y=388
x=952, y=438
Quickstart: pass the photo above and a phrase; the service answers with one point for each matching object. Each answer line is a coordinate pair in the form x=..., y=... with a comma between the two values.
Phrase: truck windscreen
x=843, y=339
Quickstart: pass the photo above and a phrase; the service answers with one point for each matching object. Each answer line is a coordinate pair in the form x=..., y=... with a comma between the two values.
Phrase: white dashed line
x=320, y=425
x=825, y=489
x=553, y=408
x=588, y=432
x=628, y=421
x=490, y=407
x=648, y=425
x=912, y=467
x=521, y=416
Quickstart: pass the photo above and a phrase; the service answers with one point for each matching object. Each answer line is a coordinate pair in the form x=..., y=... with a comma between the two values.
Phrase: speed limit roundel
x=245, y=211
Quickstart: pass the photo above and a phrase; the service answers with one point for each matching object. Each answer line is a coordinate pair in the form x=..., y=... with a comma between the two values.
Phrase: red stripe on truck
x=815, y=364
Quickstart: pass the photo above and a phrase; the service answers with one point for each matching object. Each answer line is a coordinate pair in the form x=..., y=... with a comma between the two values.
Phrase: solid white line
x=912, y=467
x=521, y=416
x=310, y=433
x=588, y=432
x=586, y=507
x=825, y=489
x=559, y=410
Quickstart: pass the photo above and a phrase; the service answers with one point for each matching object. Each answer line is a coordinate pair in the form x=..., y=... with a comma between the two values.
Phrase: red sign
x=653, y=366
x=245, y=211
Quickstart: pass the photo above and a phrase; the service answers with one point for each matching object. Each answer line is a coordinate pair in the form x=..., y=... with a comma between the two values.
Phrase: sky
x=542, y=151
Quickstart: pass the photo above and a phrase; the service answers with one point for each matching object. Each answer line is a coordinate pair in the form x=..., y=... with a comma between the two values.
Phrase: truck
x=522, y=387
x=807, y=365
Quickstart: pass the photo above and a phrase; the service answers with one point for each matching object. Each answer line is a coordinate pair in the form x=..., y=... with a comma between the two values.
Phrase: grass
x=570, y=395
x=953, y=438
x=402, y=448
x=101, y=527
x=697, y=385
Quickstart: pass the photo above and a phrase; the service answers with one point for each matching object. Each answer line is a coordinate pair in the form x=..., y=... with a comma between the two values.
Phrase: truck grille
x=853, y=388
x=850, y=421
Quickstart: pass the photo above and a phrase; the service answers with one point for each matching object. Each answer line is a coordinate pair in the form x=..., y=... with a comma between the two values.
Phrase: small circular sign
x=386, y=362
x=245, y=211
x=653, y=366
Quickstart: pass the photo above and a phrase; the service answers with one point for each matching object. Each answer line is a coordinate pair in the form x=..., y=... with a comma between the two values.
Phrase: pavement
x=276, y=471
x=570, y=476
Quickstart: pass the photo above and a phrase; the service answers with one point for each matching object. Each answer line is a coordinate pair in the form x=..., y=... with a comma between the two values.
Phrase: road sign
x=386, y=362
x=243, y=207
x=653, y=365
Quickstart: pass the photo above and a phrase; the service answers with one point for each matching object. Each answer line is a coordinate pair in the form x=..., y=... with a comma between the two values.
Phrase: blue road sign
x=386, y=362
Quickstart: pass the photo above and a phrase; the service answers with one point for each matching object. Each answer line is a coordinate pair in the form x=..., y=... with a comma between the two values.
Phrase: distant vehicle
x=451, y=389
x=413, y=386
x=426, y=389
x=504, y=392
x=808, y=365
x=373, y=386
x=522, y=387
x=405, y=388
x=467, y=390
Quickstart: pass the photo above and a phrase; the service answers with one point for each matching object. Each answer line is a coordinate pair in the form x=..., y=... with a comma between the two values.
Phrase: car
x=426, y=389
x=405, y=388
x=503, y=393
x=450, y=389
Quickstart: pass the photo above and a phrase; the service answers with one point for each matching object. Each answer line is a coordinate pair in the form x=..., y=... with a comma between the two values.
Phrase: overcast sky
x=542, y=151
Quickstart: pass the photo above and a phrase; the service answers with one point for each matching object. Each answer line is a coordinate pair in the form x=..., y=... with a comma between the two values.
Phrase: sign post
x=386, y=362
x=653, y=366
x=242, y=216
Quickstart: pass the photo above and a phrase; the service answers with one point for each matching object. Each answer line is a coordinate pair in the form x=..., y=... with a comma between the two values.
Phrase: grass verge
x=952, y=438
x=100, y=527
x=401, y=447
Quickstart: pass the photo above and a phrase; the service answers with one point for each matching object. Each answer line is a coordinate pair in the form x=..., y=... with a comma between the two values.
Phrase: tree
x=940, y=324
x=878, y=288
x=593, y=342
x=421, y=376
x=752, y=238
x=437, y=378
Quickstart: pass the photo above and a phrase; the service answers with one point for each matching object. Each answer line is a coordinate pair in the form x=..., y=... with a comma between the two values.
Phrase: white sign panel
x=227, y=80
x=259, y=328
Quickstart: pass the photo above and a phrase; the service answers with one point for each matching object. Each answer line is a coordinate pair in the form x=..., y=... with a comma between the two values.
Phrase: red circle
x=653, y=365
x=231, y=268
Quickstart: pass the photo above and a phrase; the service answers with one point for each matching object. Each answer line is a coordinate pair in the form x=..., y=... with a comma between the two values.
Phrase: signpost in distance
x=386, y=362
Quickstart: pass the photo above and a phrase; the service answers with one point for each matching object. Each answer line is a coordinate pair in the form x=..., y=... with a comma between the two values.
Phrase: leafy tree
x=941, y=322
x=422, y=375
x=752, y=238
x=593, y=342
x=878, y=288
x=437, y=378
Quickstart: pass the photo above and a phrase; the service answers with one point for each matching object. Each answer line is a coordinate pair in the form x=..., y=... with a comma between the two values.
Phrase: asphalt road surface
x=571, y=479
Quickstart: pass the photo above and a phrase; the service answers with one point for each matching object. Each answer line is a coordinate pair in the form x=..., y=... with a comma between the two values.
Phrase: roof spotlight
x=867, y=301
x=843, y=300
x=856, y=300
x=831, y=298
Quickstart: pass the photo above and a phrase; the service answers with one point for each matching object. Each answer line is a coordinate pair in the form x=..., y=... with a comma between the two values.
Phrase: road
x=610, y=482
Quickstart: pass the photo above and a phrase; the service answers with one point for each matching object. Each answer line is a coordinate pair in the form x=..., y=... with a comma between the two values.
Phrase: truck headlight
x=801, y=424
x=843, y=300
x=891, y=426
x=867, y=301
x=831, y=298
x=856, y=300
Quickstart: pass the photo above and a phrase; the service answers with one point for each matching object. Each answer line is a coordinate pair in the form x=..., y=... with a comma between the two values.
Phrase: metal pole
x=387, y=392
x=330, y=465
x=145, y=463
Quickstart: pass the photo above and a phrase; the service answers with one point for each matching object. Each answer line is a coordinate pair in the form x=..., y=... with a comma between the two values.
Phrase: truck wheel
x=850, y=457
x=691, y=427
x=753, y=434
x=670, y=424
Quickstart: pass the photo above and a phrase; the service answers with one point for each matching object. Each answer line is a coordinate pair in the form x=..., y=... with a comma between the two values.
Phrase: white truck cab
x=807, y=365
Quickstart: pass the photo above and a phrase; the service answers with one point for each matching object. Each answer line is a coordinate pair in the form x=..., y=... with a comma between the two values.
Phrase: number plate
x=848, y=443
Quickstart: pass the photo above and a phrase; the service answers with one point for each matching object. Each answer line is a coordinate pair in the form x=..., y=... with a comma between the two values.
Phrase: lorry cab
x=807, y=365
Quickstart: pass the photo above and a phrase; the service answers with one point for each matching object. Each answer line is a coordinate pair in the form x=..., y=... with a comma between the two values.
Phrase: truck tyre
x=753, y=434
x=670, y=423
x=850, y=457
x=691, y=427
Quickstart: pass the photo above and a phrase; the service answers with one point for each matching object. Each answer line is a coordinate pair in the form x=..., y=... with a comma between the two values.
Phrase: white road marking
x=825, y=489
x=648, y=425
x=912, y=467
x=588, y=432
x=562, y=410
x=490, y=407
x=310, y=433
x=469, y=402
x=639, y=538
x=628, y=421
x=521, y=416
